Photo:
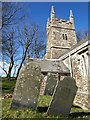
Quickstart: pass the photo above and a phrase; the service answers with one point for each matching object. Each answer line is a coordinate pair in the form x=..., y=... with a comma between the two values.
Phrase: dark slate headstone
x=51, y=83
x=27, y=87
x=63, y=97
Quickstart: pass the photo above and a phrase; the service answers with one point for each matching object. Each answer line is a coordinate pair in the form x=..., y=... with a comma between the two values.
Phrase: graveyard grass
x=76, y=113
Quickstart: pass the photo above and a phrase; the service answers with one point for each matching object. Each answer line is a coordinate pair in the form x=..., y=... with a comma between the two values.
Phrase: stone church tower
x=61, y=35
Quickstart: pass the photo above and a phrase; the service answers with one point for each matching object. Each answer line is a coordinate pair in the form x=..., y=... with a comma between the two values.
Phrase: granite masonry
x=62, y=46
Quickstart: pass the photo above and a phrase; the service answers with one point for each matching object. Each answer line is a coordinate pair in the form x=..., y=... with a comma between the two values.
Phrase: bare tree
x=28, y=36
x=29, y=42
x=82, y=35
x=9, y=50
x=10, y=12
x=10, y=19
x=79, y=36
x=37, y=48
x=15, y=69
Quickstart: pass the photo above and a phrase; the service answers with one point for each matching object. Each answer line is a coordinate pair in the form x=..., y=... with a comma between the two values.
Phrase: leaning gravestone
x=27, y=87
x=63, y=97
x=51, y=83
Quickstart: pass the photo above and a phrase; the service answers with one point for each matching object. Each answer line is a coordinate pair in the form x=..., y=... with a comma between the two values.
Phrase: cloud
x=2, y=73
x=6, y=65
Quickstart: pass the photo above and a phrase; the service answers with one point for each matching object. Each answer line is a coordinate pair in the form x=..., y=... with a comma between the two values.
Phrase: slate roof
x=75, y=46
x=52, y=66
x=80, y=43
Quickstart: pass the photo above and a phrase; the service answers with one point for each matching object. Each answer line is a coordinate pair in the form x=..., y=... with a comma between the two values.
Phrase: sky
x=45, y=0
x=39, y=12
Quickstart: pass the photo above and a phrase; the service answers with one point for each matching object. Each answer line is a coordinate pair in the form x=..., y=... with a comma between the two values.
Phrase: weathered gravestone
x=27, y=87
x=51, y=83
x=63, y=97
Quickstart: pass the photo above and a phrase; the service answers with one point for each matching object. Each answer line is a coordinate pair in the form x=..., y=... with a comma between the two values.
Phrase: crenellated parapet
x=60, y=23
x=53, y=21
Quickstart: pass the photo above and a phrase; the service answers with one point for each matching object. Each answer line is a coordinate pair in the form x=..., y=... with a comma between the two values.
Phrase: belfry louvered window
x=64, y=36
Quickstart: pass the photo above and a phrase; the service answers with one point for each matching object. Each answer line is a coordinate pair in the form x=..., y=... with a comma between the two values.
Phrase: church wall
x=56, y=53
x=79, y=67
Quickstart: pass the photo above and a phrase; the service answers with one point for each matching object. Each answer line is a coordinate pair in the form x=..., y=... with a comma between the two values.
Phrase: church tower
x=61, y=35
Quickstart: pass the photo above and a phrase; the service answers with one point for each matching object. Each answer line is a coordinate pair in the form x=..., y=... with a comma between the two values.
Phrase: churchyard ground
x=76, y=113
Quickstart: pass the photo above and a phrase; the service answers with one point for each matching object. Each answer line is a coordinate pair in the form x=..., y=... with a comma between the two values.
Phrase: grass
x=44, y=101
x=8, y=85
x=76, y=113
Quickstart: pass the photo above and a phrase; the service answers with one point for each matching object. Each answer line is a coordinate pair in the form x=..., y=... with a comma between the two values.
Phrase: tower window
x=64, y=36
x=54, y=33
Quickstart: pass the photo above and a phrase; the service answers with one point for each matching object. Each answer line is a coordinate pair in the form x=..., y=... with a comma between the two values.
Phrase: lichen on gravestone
x=27, y=87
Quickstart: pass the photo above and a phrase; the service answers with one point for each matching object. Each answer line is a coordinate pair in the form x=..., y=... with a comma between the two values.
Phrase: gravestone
x=63, y=97
x=51, y=83
x=27, y=87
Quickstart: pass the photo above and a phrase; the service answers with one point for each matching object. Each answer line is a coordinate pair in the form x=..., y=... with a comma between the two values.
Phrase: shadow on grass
x=79, y=114
x=74, y=106
x=71, y=115
x=42, y=109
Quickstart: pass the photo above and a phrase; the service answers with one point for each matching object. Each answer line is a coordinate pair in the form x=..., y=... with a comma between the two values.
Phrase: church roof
x=81, y=44
x=52, y=66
